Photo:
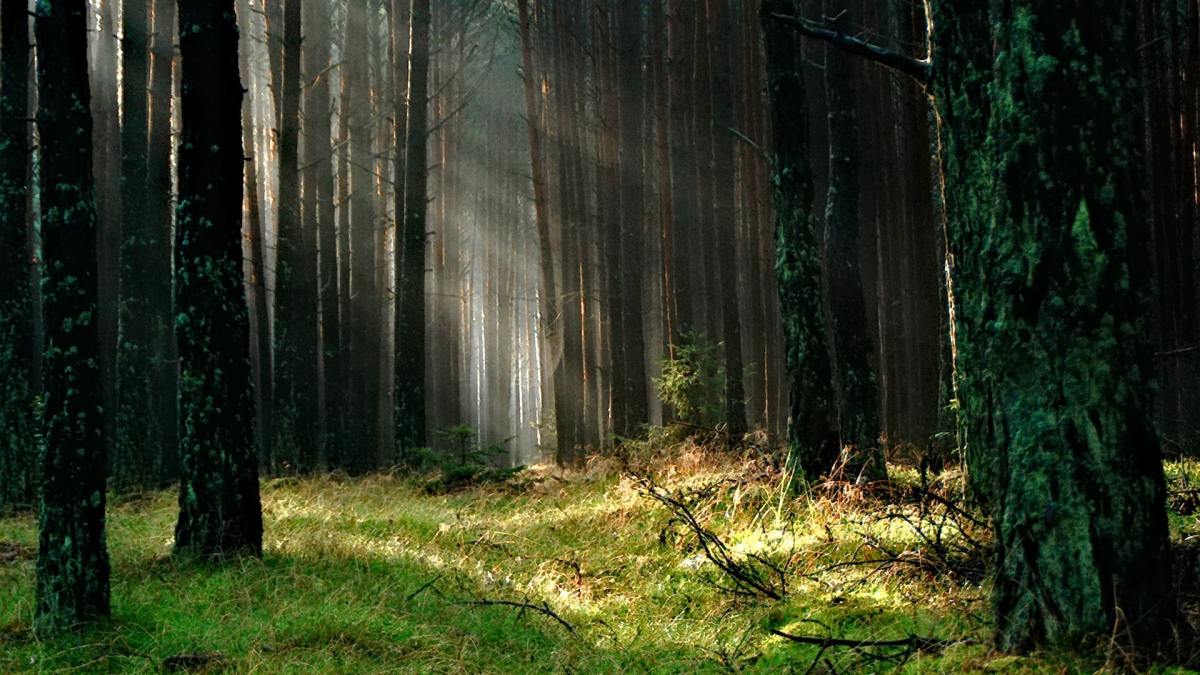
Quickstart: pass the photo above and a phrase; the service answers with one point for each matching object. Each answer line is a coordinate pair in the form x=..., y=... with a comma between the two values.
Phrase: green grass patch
x=376, y=574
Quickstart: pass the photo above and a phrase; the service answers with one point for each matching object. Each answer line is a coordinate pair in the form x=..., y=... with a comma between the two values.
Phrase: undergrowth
x=549, y=571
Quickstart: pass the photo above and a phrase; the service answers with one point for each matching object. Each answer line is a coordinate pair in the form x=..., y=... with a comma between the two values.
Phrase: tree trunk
x=72, y=562
x=159, y=208
x=220, y=513
x=854, y=377
x=295, y=330
x=319, y=216
x=812, y=430
x=410, y=314
x=17, y=424
x=684, y=217
x=362, y=330
x=1049, y=279
x=724, y=122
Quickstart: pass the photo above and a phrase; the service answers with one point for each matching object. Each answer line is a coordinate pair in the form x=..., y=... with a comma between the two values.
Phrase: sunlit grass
x=374, y=574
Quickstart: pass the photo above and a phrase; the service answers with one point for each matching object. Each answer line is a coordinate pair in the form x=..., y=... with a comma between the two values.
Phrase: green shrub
x=693, y=381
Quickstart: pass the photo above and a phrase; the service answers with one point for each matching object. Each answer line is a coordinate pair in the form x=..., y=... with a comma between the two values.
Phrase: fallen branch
x=751, y=575
x=543, y=609
x=914, y=642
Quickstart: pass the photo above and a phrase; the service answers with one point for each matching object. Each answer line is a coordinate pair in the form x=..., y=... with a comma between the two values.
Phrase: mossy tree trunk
x=17, y=424
x=812, y=432
x=1046, y=232
x=220, y=513
x=72, y=562
x=410, y=312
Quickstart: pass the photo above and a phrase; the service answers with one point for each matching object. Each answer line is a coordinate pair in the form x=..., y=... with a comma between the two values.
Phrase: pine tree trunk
x=724, y=122
x=157, y=275
x=684, y=218
x=17, y=424
x=140, y=437
x=320, y=218
x=72, y=562
x=410, y=314
x=854, y=377
x=812, y=430
x=632, y=145
x=295, y=330
x=1049, y=280
x=362, y=330
x=220, y=513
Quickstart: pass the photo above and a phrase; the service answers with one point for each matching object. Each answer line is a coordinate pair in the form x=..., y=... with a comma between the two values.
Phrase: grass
x=374, y=574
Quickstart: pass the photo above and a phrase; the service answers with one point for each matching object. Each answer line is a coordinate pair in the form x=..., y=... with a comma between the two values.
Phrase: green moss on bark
x=1053, y=361
x=72, y=562
x=219, y=509
x=813, y=439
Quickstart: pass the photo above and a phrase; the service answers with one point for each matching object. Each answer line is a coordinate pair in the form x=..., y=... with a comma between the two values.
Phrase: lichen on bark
x=1039, y=137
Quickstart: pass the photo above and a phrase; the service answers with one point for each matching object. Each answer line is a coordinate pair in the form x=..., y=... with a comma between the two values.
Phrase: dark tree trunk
x=17, y=424
x=410, y=314
x=632, y=377
x=143, y=352
x=220, y=513
x=569, y=413
x=812, y=430
x=684, y=217
x=854, y=377
x=72, y=562
x=724, y=122
x=1049, y=280
x=295, y=330
x=361, y=333
x=319, y=213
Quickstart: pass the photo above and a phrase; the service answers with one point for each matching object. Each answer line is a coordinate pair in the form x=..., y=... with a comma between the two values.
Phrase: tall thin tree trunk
x=18, y=465
x=410, y=315
x=72, y=561
x=295, y=389
x=159, y=208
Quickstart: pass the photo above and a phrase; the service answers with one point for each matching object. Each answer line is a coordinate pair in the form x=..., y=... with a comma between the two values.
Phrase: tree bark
x=295, y=389
x=17, y=424
x=1049, y=279
x=220, y=513
x=724, y=122
x=72, y=562
x=812, y=430
x=410, y=314
x=854, y=376
x=159, y=221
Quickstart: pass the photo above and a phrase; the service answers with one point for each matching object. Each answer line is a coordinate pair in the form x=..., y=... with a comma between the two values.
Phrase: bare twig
x=913, y=642
x=543, y=609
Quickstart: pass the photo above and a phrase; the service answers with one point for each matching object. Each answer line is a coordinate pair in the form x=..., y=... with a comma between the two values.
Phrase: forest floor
x=552, y=571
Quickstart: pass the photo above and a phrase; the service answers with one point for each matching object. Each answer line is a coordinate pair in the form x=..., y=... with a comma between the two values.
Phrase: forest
x=665, y=336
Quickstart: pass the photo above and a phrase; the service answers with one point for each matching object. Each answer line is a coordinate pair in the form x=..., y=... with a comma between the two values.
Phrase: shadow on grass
x=288, y=612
